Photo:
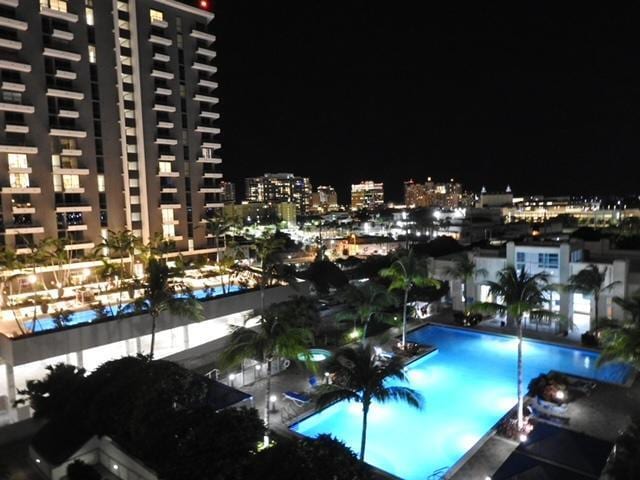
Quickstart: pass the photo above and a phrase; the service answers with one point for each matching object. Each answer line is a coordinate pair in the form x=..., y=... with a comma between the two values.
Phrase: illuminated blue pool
x=468, y=385
x=88, y=316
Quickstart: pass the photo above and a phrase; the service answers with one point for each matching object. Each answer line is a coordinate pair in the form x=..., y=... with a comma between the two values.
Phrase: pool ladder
x=438, y=474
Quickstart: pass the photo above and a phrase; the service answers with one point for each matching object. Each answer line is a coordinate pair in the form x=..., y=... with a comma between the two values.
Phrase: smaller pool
x=317, y=355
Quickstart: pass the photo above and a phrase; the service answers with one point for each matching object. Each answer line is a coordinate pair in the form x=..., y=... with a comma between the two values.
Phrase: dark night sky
x=541, y=98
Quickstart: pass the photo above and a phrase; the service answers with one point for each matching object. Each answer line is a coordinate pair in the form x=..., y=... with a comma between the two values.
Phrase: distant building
x=324, y=199
x=496, y=199
x=276, y=188
x=286, y=212
x=228, y=192
x=367, y=195
x=435, y=195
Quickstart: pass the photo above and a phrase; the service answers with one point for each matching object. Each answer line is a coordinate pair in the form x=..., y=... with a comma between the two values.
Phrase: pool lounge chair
x=299, y=399
x=550, y=407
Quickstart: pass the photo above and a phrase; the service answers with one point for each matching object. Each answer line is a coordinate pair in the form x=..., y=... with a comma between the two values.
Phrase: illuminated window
x=18, y=160
x=89, y=13
x=136, y=217
x=68, y=144
x=19, y=180
x=156, y=15
x=133, y=165
x=70, y=181
x=134, y=182
x=167, y=215
x=123, y=6
x=59, y=5
x=164, y=166
x=130, y=131
x=92, y=54
x=101, y=187
x=169, y=230
x=135, y=200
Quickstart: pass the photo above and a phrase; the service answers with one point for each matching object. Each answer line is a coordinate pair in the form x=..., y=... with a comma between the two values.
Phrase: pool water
x=88, y=316
x=467, y=385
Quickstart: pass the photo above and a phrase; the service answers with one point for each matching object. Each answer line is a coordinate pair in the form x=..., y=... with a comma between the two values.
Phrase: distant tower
x=508, y=190
x=484, y=190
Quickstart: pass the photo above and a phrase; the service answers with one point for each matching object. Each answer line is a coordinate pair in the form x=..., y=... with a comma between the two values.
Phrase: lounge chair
x=299, y=399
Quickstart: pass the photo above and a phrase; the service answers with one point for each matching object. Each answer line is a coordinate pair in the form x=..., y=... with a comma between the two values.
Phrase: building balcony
x=16, y=107
x=71, y=152
x=62, y=35
x=50, y=12
x=70, y=171
x=210, y=190
x=166, y=141
x=13, y=229
x=213, y=115
x=167, y=158
x=164, y=124
x=10, y=44
x=160, y=40
x=160, y=74
x=206, y=99
x=174, y=204
x=211, y=160
x=11, y=128
x=70, y=208
x=68, y=114
x=207, y=84
x=203, y=129
x=168, y=174
x=161, y=57
x=61, y=132
x=206, y=52
x=15, y=66
x=80, y=245
x=207, y=37
x=164, y=108
x=76, y=228
x=163, y=91
x=28, y=150
x=20, y=169
x=159, y=23
x=73, y=190
x=56, y=92
x=203, y=67
x=13, y=23
x=10, y=3
x=212, y=175
x=23, y=210
x=13, y=86
x=29, y=190
x=213, y=205
x=213, y=145
x=63, y=54
x=66, y=75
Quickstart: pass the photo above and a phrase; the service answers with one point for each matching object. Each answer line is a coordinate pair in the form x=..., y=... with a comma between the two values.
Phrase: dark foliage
x=587, y=234
x=323, y=458
x=325, y=275
x=438, y=247
x=371, y=266
x=625, y=463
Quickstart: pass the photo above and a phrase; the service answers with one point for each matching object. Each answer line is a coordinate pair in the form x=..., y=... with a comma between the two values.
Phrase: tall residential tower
x=107, y=121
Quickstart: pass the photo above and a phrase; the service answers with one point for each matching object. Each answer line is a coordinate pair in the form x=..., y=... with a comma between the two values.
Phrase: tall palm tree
x=217, y=226
x=268, y=249
x=517, y=293
x=631, y=305
x=58, y=256
x=465, y=269
x=364, y=303
x=363, y=379
x=122, y=243
x=591, y=281
x=406, y=272
x=276, y=336
x=163, y=294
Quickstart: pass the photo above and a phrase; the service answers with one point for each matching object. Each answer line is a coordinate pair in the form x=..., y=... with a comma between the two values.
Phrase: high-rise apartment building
x=431, y=194
x=107, y=121
x=324, y=199
x=228, y=192
x=279, y=188
x=367, y=195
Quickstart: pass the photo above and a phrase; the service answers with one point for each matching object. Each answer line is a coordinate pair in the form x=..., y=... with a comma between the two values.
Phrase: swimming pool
x=87, y=316
x=468, y=385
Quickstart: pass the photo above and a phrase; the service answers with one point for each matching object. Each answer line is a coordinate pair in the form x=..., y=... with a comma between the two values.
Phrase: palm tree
x=621, y=344
x=364, y=303
x=516, y=294
x=464, y=269
x=363, y=379
x=406, y=272
x=631, y=305
x=55, y=252
x=163, y=294
x=217, y=226
x=270, y=267
x=276, y=336
x=590, y=281
x=122, y=243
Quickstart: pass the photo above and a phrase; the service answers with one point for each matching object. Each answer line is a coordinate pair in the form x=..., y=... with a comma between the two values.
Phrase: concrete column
x=456, y=295
x=80, y=359
x=185, y=330
x=511, y=254
x=138, y=345
x=619, y=273
x=11, y=393
x=564, y=272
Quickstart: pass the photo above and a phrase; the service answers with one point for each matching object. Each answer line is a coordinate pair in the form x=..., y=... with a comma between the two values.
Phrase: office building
x=228, y=192
x=430, y=194
x=367, y=195
x=324, y=199
x=107, y=121
x=276, y=188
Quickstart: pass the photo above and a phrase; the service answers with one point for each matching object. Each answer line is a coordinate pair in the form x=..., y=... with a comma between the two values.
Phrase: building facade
x=367, y=195
x=430, y=194
x=107, y=121
x=324, y=199
x=228, y=192
x=276, y=188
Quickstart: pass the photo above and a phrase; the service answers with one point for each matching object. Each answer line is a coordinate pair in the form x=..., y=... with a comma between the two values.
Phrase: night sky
x=535, y=96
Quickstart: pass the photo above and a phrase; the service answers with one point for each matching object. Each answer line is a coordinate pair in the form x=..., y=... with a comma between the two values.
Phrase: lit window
x=92, y=54
x=167, y=215
x=101, y=187
x=89, y=13
x=130, y=131
x=164, y=166
x=19, y=180
x=135, y=200
x=18, y=160
x=135, y=216
x=156, y=15
x=132, y=149
x=123, y=6
x=70, y=181
x=169, y=230
x=59, y=5
x=133, y=165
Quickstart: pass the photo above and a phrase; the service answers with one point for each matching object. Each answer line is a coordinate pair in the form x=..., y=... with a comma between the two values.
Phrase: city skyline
x=474, y=94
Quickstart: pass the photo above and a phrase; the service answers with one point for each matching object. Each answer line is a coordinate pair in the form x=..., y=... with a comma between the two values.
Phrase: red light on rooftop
x=204, y=4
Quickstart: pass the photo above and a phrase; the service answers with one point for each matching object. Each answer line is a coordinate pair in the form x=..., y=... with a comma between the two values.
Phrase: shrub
x=79, y=470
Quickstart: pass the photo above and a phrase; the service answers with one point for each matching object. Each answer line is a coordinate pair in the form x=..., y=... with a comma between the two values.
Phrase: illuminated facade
x=367, y=195
x=430, y=194
x=279, y=188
